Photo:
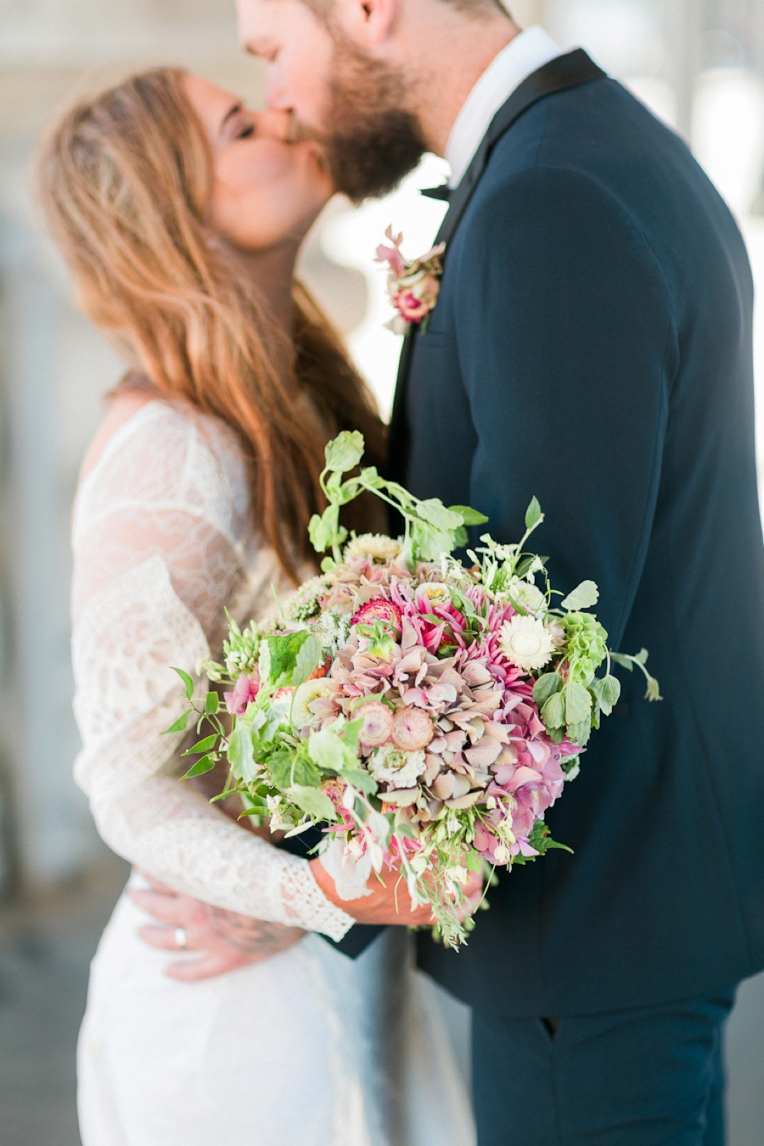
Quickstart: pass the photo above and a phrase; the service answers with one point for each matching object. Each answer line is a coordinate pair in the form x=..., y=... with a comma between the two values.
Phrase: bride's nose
x=274, y=124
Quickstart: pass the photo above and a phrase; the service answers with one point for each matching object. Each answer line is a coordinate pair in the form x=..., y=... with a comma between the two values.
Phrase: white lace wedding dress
x=310, y=1048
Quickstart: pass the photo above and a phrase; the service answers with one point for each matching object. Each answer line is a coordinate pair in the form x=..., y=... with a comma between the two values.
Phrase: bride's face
x=267, y=190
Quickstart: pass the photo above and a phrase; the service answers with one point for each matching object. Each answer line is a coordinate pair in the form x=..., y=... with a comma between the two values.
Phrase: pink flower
x=412, y=729
x=377, y=724
x=244, y=692
x=413, y=286
x=379, y=610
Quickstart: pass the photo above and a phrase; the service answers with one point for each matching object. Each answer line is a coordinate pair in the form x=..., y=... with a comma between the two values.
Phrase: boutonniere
x=413, y=287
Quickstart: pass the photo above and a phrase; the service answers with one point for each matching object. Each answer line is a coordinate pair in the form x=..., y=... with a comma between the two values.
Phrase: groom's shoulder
x=594, y=156
x=596, y=127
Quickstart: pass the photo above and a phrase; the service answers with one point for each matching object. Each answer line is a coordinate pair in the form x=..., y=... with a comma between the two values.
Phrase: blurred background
x=699, y=64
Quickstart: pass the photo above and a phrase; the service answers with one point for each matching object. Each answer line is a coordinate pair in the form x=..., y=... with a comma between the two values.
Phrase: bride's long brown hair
x=125, y=178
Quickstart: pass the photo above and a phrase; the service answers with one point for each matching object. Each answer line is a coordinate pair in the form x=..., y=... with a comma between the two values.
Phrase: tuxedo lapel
x=565, y=72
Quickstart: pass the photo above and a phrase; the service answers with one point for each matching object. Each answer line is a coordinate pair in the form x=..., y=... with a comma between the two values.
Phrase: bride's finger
x=168, y=908
x=211, y=964
x=163, y=938
x=155, y=883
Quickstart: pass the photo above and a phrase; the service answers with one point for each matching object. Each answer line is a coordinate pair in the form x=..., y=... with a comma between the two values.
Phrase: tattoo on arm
x=252, y=936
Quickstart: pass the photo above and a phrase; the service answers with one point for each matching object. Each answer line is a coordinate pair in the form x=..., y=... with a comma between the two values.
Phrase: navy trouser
x=627, y=1078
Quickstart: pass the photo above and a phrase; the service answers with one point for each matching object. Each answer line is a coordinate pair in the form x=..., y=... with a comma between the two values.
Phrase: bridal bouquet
x=423, y=711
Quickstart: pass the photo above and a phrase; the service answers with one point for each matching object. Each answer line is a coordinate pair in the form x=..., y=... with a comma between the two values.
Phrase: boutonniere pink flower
x=413, y=287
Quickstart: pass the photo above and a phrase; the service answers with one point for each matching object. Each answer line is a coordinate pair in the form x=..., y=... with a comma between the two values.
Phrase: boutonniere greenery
x=413, y=286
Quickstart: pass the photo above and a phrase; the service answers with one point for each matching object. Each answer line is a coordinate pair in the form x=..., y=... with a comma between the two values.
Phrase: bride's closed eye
x=238, y=124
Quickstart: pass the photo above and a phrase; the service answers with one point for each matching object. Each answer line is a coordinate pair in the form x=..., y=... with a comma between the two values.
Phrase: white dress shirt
x=528, y=52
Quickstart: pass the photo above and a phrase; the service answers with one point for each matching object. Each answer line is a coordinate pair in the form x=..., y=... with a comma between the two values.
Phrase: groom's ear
x=368, y=23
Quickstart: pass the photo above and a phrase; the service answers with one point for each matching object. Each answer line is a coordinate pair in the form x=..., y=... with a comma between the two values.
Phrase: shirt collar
x=528, y=52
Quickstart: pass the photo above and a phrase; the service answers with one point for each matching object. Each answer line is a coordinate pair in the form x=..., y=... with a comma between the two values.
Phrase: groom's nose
x=277, y=97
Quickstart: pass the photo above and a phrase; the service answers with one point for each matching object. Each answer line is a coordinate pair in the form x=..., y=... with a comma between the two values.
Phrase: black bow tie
x=444, y=192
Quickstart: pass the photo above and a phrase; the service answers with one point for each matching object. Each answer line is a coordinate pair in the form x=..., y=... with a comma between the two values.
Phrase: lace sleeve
x=159, y=550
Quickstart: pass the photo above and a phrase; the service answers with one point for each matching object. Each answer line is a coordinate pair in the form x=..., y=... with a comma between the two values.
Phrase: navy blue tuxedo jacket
x=592, y=345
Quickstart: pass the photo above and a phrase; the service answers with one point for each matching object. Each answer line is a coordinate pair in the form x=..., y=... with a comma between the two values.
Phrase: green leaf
x=578, y=703
x=360, y=779
x=653, y=689
x=641, y=657
x=206, y=764
x=580, y=732
x=212, y=703
x=571, y=766
x=306, y=660
x=461, y=538
x=431, y=543
x=533, y=514
x=547, y=686
x=241, y=755
x=623, y=661
x=434, y=512
x=582, y=597
x=288, y=768
x=205, y=745
x=607, y=691
x=553, y=712
x=328, y=752
x=313, y=801
x=277, y=668
x=469, y=516
x=187, y=681
x=180, y=724
x=325, y=529
x=345, y=452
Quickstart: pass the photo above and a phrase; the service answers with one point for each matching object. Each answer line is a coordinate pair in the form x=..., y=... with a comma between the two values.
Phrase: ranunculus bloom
x=244, y=691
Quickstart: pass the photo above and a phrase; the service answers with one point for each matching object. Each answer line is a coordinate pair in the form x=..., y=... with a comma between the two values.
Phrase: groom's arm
x=567, y=349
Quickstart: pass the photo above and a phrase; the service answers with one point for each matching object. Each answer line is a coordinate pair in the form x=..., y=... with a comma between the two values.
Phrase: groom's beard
x=371, y=140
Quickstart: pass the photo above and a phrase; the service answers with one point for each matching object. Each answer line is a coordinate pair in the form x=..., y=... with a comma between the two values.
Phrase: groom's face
x=355, y=105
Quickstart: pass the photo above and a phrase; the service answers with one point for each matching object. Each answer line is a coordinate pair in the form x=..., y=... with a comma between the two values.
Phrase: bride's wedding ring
x=180, y=938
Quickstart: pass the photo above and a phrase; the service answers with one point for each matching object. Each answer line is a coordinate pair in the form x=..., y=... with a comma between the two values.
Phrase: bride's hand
x=387, y=903
x=223, y=939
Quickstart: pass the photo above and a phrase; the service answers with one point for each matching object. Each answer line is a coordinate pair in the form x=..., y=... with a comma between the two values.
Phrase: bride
x=180, y=214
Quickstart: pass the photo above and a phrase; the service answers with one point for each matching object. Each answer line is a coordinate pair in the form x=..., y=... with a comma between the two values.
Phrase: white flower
x=374, y=547
x=526, y=642
x=527, y=596
x=389, y=765
x=274, y=809
x=334, y=631
x=305, y=694
x=435, y=592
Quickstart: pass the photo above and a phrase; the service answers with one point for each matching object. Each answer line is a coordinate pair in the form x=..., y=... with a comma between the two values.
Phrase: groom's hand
x=223, y=939
x=387, y=903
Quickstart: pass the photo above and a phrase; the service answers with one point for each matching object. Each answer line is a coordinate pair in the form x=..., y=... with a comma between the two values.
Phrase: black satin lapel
x=565, y=72
x=398, y=433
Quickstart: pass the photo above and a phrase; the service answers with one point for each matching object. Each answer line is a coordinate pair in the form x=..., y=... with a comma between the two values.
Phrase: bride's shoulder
x=149, y=449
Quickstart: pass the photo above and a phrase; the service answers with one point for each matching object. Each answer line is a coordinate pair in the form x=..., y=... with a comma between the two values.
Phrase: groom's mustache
x=298, y=132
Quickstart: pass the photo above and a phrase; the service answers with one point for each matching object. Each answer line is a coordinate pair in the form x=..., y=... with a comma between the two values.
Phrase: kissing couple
x=591, y=345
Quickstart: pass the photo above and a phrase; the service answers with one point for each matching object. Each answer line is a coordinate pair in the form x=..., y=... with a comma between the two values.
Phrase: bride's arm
x=155, y=562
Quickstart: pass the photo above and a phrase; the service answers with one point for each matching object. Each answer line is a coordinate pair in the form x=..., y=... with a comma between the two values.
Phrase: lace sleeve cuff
x=307, y=904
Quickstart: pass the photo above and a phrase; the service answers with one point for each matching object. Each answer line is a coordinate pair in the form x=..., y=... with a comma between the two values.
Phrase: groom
x=592, y=346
